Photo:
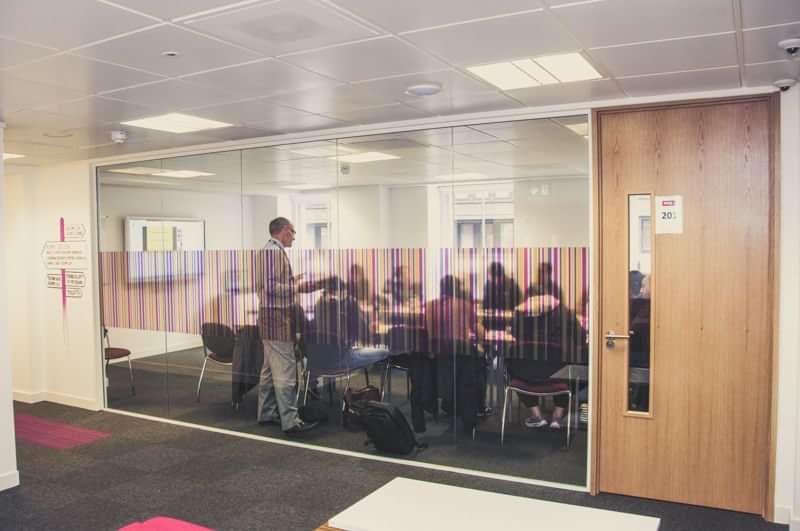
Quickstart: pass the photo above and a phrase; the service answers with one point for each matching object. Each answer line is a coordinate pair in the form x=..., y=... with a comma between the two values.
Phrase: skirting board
x=9, y=480
x=783, y=515
x=174, y=347
x=57, y=398
x=27, y=397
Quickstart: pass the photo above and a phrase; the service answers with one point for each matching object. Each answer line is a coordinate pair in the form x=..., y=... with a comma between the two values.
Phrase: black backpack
x=388, y=429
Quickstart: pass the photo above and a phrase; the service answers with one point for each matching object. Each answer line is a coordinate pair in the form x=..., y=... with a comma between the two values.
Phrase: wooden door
x=700, y=432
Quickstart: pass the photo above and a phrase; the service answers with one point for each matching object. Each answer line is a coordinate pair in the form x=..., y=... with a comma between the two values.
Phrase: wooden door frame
x=773, y=101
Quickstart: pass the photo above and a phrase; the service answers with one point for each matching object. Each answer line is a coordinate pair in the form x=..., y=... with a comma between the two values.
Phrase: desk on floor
x=406, y=504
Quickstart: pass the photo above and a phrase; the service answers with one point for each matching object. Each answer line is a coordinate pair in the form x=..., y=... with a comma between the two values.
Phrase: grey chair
x=218, y=343
x=115, y=353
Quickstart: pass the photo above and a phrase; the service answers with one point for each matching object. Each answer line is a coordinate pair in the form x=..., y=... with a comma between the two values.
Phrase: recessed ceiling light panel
x=182, y=174
x=307, y=186
x=368, y=156
x=177, y=123
x=135, y=170
x=504, y=76
x=536, y=72
x=568, y=67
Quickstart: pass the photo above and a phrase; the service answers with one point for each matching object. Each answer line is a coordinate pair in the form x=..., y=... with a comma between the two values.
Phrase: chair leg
x=503, y=422
x=569, y=419
x=130, y=371
x=305, y=389
x=387, y=373
x=200, y=381
x=344, y=394
x=366, y=375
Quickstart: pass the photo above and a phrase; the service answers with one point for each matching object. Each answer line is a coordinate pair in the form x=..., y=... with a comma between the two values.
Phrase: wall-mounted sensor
x=119, y=137
x=785, y=84
x=790, y=46
x=424, y=89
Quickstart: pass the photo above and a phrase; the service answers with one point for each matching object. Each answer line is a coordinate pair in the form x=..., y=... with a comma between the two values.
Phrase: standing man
x=277, y=392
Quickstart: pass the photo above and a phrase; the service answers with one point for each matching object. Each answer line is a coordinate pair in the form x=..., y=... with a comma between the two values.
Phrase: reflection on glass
x=639, y=281
x=439, y=269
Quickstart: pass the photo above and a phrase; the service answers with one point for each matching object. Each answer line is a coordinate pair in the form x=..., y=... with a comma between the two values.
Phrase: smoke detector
x=424, y=89
x=119, y=137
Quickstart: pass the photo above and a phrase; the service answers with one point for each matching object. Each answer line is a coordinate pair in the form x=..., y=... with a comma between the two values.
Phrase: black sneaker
x=301, y=427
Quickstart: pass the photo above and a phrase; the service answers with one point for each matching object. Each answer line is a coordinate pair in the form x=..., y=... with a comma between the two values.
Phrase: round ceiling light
x=170, y=54
x=424, y=89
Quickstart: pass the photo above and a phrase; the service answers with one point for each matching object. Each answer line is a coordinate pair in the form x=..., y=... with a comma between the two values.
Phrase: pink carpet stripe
x=163, y=523
x=52, y=434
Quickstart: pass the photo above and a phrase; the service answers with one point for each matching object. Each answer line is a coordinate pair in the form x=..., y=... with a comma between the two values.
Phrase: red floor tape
x=163, y=523
x=52, y=434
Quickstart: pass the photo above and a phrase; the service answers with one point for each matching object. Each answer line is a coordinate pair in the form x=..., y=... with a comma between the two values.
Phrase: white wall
x=787, y=480
x=360, y=220
x=408, y=216
x=551, y=213
x=56, y=350
x=9, y=477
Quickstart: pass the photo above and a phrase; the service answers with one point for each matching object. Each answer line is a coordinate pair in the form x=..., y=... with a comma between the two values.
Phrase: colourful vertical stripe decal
x=179, y=291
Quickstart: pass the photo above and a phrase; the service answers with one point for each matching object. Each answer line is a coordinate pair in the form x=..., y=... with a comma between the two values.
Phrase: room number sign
x=669, y=214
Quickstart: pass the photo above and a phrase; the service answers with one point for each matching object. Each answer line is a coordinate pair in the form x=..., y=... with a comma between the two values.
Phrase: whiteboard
x=149, y=234
x=164, y=234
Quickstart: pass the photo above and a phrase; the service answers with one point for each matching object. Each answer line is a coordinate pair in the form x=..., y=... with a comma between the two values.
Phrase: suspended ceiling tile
x=628, y=21
x=699, y=80
x=463, y=103
x=171, y=9
x=82, y=74
x=766, y=13
x=263, y=78
x=282, y=121
x=668, y=56
x=280, y=27
x=761, y=45
x=453, y=83
x=567, y=93
x=97, y=109
x=172, y=95
x=365, y=60
x=16, y=53
x=340, y=99
x=65, y=24
x=17, y=94
x=763, y=74
x=143, y=50
x=386, y=113
x=236, y=133
x=33, y=123
x=417, y=14
x=497, y=39
x=256, y=111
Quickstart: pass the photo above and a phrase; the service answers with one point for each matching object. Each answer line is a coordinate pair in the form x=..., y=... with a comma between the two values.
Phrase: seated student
x=454, y=331
x=451, y=319
x=500, y=293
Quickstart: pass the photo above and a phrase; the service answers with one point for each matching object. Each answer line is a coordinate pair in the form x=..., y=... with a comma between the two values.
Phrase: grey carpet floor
x=147, y=469
x=165, y=386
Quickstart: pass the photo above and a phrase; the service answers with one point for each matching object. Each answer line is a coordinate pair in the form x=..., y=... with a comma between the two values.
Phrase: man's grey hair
x=277, y=225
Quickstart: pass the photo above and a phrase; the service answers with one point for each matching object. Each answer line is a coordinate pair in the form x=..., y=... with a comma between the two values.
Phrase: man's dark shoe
x=301, y=427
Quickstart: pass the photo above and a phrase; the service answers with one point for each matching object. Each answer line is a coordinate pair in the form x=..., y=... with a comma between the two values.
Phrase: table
x=443, y=507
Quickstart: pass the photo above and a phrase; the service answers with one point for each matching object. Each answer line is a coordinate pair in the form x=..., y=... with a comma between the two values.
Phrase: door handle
x=611, y=337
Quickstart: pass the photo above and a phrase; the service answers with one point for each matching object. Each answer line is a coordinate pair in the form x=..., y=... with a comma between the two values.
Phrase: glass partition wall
x=444, y=272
